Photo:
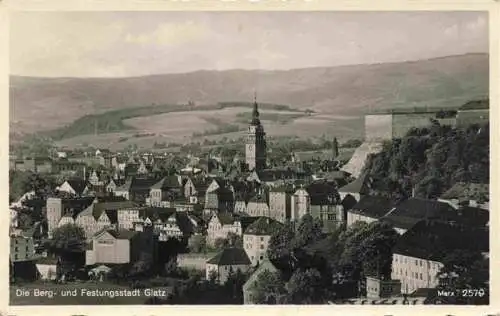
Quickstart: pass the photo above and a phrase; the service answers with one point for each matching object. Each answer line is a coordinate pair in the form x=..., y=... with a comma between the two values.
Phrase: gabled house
x=221, y=199
x=216, y=183
x=195, y=189
x=111, y=246
x=369, y=209
x=136, y=189
x=221, y=224
x=418, y=255
x=357, y=188
x=280, y=203
x=103, y=215
x=325, y=205
x=75, y=186
x=256, y=238
x=264, y=266
x=406, y=214
x=166, y=223
x=167, y=189
x=229, y=260
x=258, y=205
x=113, y=184
x=59, y=207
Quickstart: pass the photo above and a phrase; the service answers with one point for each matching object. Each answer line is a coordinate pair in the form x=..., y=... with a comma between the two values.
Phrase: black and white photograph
x=249, y=158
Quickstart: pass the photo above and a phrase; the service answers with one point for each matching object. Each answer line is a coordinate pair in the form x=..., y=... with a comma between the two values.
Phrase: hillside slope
x=47, y=103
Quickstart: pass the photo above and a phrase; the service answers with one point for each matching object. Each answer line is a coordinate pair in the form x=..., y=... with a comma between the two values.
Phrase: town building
x=369, y=209
x=406, y=214
x=228, y=261
x=258, y=205
x=256, y=238
x=58, y=207
x=195, y=189
x=166, y=190
x=419, y=253
x=265, y=266
x=76, y=187
x=280, y=203
x=111, y=246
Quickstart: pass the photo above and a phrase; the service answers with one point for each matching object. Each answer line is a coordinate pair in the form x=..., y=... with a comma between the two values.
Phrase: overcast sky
x=118, y=44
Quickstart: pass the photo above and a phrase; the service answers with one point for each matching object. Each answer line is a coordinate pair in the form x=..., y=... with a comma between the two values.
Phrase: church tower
x=255, y=149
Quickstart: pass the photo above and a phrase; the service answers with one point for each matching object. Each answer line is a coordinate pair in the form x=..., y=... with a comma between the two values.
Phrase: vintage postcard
x=336, y=159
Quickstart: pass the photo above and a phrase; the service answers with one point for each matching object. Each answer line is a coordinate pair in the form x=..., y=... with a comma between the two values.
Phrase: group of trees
x=198, y=291
x=198, y=243
x=431, y=160
x=21, y=182
x=314, y=267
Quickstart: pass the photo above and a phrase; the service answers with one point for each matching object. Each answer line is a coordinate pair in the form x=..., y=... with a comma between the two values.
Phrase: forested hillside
x=431, y=161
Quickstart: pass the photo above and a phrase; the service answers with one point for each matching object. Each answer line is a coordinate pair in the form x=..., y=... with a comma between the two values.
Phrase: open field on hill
x=38, y=104
x=179, y=127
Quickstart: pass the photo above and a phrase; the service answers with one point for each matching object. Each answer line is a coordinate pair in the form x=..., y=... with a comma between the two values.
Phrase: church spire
x=255, y=113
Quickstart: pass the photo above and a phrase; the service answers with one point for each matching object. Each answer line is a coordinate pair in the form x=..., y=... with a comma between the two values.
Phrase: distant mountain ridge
x=45, y=103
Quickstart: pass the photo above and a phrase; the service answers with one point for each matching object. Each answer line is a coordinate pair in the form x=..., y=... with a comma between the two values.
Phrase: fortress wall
x=468, y=117
x=378, y=127
x=402, y=123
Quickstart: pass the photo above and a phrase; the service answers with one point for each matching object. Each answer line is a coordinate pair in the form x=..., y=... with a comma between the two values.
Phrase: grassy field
x=179, y=127
x=58, y=299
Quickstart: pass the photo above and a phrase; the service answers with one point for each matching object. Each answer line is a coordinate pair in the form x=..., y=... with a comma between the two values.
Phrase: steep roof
x=258, y=198
x=434, y=240
x=133, y=184
x=112, y=215
x=168, y=182
x=225, y=218
x=264, y=226
x=373, y=206
x=265, y=265
x=229, y=257
x=321, y=193
x=360, y=185
x=96, y=209
x=78, y=185
x=409, y=212
x=122, y=233
x=156, y=213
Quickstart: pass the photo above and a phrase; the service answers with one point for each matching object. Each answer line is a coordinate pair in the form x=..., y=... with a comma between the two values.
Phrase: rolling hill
x=41, y=104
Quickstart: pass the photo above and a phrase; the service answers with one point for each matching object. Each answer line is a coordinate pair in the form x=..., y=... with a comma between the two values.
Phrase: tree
x=463, y=269
x=376, y=250
x=68, y=238
x=309, y=231
x=367, y=251
x=268, y=288
x=197, y=243
x=234, y=240
x=335, y=148
x=306, y=287
x=280, y=248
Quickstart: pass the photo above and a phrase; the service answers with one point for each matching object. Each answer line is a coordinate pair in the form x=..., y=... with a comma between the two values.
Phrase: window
x=261, y=257
x=416, y=262
x=261, y=246
x=261, y=238
x=421, y=277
